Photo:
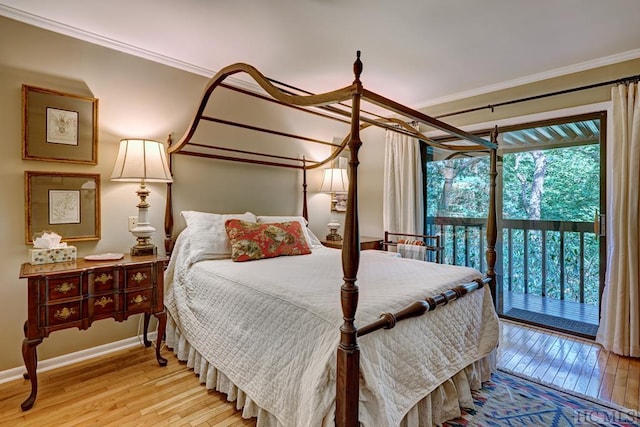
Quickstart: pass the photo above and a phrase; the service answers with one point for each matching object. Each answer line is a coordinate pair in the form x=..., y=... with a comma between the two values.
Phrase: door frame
x=600, y=110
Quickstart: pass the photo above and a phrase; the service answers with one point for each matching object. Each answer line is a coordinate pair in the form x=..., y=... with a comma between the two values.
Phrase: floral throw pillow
x=250, y=240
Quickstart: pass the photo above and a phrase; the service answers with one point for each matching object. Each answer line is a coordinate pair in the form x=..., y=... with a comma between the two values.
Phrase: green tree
x=548, y=185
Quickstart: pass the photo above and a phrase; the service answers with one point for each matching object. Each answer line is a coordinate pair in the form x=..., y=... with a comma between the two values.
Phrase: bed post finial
x=357, y=66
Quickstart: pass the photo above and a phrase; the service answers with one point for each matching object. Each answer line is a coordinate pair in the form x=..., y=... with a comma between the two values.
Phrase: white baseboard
x=78, y=356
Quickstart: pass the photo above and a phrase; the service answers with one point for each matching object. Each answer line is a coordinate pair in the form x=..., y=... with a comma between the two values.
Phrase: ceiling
x=417, y=52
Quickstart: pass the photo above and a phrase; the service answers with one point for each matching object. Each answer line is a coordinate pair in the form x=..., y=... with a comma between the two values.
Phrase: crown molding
x=533, y=78
x=90, y=37
x=87, y=36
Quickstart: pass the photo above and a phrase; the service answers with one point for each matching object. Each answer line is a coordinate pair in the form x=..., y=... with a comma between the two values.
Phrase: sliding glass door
x=551, y=198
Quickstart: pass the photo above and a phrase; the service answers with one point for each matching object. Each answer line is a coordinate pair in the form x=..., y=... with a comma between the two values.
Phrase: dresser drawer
x=58, y=314
x=104, y=305
x=138, y=301
x=102, y=280
x=139, y=277
x=59, y=287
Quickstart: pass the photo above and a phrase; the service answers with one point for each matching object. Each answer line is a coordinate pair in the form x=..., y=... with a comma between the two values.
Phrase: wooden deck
x=561, y=315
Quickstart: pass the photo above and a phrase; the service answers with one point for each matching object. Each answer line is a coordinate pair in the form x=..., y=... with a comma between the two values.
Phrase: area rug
x=508, y=401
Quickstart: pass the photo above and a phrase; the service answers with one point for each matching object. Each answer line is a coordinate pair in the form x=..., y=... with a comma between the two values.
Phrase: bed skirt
x=440, y=405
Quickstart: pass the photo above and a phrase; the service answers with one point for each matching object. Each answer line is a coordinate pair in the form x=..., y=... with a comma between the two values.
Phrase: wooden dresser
x=75, y=294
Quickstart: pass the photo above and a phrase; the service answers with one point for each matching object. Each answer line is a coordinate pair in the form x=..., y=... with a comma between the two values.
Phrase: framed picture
x=59, y=127
x=65, y=203
x=340, y=204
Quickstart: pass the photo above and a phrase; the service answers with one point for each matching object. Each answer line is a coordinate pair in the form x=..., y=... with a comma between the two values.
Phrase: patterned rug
x=510, y=401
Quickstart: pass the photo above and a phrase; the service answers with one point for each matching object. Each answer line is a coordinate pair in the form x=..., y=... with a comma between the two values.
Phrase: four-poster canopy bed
x=370, y=391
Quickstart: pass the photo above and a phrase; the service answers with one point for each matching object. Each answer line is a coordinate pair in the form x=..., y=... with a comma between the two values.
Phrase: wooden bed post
x=348, y=354
x=168, y=208
x=305, y=210
x=492, y=231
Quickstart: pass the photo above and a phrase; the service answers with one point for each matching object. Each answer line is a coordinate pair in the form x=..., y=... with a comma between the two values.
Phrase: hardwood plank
x=608, y=379
x=566, y=364
x=513, y=352
x=620, y=380
x=557, y=364
x=597, y=374
x=578, y=378
x=632, y=393
x=551, y=350
x=233, y=419
x=530, y=356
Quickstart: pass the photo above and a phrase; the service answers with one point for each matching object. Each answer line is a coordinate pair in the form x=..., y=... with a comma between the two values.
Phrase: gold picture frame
x=58, y=126
x=65, y=203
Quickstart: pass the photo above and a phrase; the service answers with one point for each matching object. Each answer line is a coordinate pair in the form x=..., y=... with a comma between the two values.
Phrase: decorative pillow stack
x=312, y=240
x=251, y=240
x=207, y=234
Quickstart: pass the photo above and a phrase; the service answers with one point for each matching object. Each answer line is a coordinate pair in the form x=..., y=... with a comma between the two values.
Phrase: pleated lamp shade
x=141, y=160
x=335, y=181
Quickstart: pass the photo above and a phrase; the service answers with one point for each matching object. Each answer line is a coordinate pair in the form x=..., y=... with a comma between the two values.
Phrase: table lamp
x=334, y=181
x=142, y=160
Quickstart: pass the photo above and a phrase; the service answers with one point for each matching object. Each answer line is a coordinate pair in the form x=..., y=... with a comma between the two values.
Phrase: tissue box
x=47, y=256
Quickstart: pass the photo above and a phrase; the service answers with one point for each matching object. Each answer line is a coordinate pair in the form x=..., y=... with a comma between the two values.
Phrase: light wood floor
x=570, y=363
x=128, y=388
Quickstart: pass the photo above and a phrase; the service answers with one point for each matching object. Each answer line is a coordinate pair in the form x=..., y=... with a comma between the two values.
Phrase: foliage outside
x=541, y=186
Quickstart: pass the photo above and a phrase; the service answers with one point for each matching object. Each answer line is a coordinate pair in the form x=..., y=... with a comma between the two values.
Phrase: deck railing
x=554, y=259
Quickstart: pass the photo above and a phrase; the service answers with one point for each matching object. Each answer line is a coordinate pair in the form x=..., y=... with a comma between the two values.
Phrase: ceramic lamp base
x=333, y=235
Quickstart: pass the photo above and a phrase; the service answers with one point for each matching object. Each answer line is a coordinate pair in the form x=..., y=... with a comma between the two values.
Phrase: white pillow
x=312, y=240
x=207, y=234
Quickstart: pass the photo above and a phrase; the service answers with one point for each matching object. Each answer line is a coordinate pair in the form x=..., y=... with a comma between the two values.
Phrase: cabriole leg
x=162, y=325
x=30, y=362
x=147, y=317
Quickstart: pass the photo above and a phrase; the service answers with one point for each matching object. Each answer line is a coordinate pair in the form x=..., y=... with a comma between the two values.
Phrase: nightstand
x=365, y=243
x=74, y=294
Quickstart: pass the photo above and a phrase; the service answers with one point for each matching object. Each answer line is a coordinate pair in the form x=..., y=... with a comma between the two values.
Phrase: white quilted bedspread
x=272, y=326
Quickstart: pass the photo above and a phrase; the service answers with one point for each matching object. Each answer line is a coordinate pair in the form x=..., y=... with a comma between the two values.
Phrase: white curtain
x=402, y=204
x=619, y=329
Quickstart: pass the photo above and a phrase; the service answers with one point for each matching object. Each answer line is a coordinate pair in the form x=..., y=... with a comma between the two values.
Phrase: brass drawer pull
x=104, y=278
x=102, y=302
x=64, y=313
x=138, y=299
x=65, y=287
x=139, y=277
